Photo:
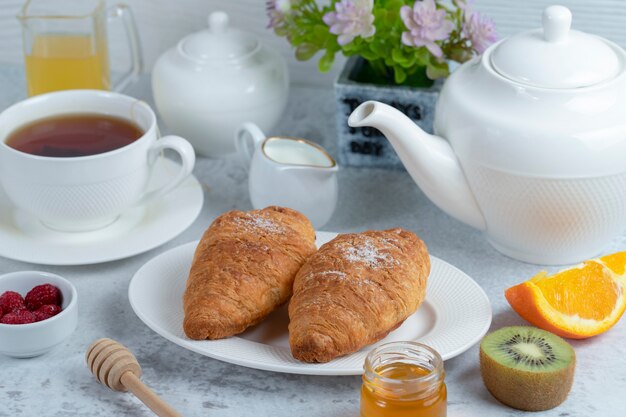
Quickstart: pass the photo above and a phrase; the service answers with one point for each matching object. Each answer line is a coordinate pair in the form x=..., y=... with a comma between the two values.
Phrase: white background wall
x=163, y=22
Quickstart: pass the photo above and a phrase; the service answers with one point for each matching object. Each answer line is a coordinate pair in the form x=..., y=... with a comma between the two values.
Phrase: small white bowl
x=34, y=339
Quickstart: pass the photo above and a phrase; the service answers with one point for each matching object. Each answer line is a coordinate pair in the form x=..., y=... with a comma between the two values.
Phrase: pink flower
x=426, y=24
x=276, y=10
x=350, y=19
x=481, y=31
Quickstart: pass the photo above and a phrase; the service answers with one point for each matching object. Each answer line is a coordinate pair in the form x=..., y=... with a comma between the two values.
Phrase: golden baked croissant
x=243, y=268
x=354, y=291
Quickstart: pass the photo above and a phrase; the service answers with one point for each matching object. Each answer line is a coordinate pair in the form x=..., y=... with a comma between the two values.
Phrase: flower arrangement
x=402, y=41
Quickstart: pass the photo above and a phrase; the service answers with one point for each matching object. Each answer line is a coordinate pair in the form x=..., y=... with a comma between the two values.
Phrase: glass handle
x=136, y=65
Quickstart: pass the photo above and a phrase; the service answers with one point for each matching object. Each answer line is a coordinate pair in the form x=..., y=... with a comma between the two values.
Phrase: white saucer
x=24, y=238
x=454, y=316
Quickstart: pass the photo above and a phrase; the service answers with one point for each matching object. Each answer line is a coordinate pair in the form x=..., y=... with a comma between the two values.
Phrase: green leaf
x=396, y=4
x=297, y=39
x=459, y=53
x=380, y=47
x=399, y=75
x=320, y=31
x=326, y=61
x=368, y=55
x=305, y=51
x=436, y=70
x=422, y=56
x=350, y=47
x=379, y=15
x=398, y=56
x=281, y=31
x=409, y=61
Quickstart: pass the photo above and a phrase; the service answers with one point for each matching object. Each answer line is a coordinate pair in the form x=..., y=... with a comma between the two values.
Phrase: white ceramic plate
x=24, y=238
x=455, y=315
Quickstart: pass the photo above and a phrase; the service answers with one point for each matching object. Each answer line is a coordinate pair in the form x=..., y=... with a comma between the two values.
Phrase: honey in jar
x=403, y=379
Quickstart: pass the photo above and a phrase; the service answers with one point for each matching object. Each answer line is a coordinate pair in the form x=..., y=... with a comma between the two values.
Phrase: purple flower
x=426, y=25
x=350, y=19
x=481, y=31
x=276, y=10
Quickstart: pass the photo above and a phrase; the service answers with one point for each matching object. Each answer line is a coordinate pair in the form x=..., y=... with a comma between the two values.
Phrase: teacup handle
x=247, y=138
x=187, y=157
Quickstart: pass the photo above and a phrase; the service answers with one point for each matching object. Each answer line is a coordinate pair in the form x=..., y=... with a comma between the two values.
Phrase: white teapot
x=535, y=143
x=215, y=80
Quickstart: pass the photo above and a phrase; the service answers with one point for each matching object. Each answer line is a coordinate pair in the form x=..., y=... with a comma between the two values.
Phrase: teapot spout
x=429, y=159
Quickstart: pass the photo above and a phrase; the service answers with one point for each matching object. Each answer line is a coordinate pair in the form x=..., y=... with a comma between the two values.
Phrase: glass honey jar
x=403, y=379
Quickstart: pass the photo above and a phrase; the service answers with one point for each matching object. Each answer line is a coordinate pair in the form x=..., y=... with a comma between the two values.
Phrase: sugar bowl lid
x=556, y=56
x=220, y=42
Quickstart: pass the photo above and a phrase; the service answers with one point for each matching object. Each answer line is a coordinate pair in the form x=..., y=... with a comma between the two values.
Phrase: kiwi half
x=527, y=368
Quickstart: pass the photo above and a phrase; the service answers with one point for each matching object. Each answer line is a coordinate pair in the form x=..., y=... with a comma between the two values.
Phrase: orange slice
x=576, y=303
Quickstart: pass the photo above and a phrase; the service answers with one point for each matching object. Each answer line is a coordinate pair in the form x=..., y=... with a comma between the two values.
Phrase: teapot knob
x=218, y=22
x=556, y=21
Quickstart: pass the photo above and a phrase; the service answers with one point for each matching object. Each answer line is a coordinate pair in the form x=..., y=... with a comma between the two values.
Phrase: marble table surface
x=59, y=384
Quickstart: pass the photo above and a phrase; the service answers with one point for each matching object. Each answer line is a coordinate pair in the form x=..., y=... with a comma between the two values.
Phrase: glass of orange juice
x=65, y=45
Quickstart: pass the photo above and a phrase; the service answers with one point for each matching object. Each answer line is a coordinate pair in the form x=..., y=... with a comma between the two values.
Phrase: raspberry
x=1, y=313
x=47, y=311
x=42, y=295
x=11, y=301
x=18, y=317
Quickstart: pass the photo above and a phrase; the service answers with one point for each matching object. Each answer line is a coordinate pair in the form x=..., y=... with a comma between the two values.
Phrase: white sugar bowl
x=216, y=79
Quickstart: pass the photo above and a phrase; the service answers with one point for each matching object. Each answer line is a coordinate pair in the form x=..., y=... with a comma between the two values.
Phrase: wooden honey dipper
x=116, y=367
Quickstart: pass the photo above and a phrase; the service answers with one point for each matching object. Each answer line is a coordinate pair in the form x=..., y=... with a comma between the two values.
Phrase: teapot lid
x=555, y=56
x=219, y=42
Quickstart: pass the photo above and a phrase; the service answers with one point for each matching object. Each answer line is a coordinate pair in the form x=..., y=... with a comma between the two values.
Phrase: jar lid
x=219, y=41
x=556, y=56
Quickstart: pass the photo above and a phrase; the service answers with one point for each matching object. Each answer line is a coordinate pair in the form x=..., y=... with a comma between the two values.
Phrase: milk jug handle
x=247, y=138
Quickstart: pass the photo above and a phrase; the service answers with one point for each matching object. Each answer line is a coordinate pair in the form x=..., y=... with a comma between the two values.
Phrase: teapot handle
x=247, y=138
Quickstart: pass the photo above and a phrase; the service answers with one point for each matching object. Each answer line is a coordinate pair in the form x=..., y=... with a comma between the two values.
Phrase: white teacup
x=86, y=192
x=289, y=172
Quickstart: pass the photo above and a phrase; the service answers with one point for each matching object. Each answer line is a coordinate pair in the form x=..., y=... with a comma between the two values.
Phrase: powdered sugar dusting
x=338, y=273
x=257, y=222
x=368, y=253
x=340, y=276
x=392, y=241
